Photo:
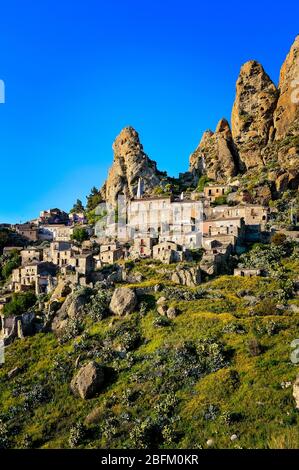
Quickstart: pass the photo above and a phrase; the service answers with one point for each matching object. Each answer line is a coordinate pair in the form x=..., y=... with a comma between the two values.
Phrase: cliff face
x=216, y=154
x=287, y=109
x=130, y=163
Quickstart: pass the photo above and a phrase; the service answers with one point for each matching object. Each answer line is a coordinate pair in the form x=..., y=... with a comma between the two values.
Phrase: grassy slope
x=244, y=396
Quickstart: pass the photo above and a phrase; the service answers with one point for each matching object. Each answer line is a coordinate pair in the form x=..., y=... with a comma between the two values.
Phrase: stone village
x=165, y=228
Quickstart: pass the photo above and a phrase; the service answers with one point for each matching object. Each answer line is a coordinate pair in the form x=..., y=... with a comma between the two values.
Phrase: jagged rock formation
x=265, y=131
x=264, y=135
x=130, y=163
x=186, y=276
x=216, y=154
x=252, y=113
x=287, y=110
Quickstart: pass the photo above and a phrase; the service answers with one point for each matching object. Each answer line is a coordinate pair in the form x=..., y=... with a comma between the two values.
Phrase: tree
x=94, y=199
x=4, y=237
x=80, y=234
x=12, y=263
x=20, y=303
x=77, y=207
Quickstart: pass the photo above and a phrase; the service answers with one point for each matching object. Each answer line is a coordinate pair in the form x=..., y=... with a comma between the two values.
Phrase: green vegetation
x=78, y=207
x=9, y=263
x=217, y=369
x=80, y=234
x=20, y=303
x=4, y=237
x=220, y=200
x=202, y=182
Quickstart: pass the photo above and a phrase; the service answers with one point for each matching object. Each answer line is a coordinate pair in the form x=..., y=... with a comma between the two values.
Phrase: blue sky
x=76, y=72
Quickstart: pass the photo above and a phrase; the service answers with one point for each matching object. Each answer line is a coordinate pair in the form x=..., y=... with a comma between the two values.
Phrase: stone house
x=170, y=252
x=56, y=232
x=77, y=218
x=216, y=241
x=16, y=327
x=10, y=249
x=53, y=216
x=28, y=231
x=143, y=247
x=33, y=276
x=149, y=215
x=59, y=253
x=253, y=214
x=248, y=272
x=168, y=218
x=31, y=255
x=110, y=253
x=3, y=301
x=82, y=263
x=214, y=260
x=211, y=192
x=225, y=226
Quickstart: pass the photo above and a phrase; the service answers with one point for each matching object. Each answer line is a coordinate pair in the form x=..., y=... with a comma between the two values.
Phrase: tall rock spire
x=129, y=164
x=216, y=154
x=287, y=110
x=252, y=113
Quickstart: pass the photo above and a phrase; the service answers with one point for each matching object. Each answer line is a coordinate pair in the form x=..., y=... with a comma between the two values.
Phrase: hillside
x=219, y=372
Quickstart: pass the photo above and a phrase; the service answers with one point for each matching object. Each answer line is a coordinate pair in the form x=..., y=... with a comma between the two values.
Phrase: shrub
x=278, y=238
x=161, y=322
x=219, y=201
x=73, y=328
x=203, y=180
x=77, y=434
x=99, y=305
x=80, y=234
x=4, y=436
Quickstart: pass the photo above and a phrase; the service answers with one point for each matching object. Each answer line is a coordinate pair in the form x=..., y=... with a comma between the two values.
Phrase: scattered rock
x=186, y=276
x=14, y=372
x=172, y=312
x=123, y=301
x=88, y=381
x=73, y=307
x=62, y=290
x=161, y=301
x=286, y=384
x=162, y=309
x=210, y=442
